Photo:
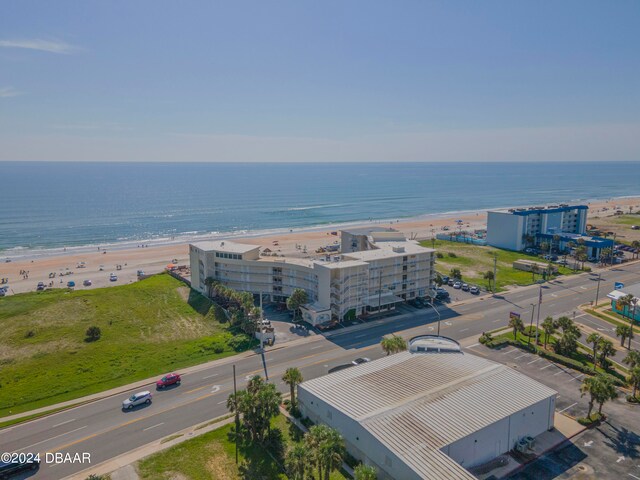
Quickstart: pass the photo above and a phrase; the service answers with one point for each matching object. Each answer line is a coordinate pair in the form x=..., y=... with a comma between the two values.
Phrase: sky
x=302, y=81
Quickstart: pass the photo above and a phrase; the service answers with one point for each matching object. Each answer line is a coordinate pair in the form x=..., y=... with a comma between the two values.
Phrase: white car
x=137, y=399
x=457, y=285
x=113, y=277
x=475, y=290
x=360, y=360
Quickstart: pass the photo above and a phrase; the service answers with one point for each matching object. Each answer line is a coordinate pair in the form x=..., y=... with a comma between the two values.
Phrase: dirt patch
x=184, y=293
x=220, y=465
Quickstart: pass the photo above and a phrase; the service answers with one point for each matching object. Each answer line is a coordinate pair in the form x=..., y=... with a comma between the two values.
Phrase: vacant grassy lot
x=212, y=456
x=148, y=328
x=473, y=261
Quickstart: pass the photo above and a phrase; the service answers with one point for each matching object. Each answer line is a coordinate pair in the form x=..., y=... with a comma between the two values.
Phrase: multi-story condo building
x=390, y=269
x=515, y=228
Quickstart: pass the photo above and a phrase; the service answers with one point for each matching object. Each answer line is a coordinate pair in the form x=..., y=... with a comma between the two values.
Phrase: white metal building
x=431, y=412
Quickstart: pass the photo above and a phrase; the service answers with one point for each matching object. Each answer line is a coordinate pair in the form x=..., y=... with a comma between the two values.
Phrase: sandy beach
x=99, y=265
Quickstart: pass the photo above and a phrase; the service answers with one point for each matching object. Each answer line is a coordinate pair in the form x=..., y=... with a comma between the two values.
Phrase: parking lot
x=609, y=451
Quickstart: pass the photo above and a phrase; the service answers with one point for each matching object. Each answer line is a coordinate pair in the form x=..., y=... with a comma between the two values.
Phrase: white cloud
x=52, y=46
x=6, y=92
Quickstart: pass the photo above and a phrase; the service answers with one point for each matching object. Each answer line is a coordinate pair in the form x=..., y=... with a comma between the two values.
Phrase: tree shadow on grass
x=263, y=461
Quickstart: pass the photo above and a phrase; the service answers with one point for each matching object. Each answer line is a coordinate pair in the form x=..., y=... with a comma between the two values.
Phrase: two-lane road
x=102, y=429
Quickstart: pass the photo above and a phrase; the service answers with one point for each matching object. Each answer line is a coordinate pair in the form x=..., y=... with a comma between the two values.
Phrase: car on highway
x=9, y=469
x=87, y=283
x=360, y=361
x=457, y=285
x=465, y=287
x=71, y=284
x=113, y=277
x=40, y=286
x=168, y=380
x=136, y=399
x=475, y=290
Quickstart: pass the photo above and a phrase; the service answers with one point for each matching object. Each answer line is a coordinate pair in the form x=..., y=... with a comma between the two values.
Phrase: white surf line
x=209, y=376
x=564, y=409
x=52, y=438
x=63, y=423
x=149, y=428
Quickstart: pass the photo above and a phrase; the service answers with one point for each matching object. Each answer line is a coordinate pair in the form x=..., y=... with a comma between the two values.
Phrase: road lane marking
x=496, y=321
x=464, y=330
x=316, y=347
x=52, y=438
x=550, y=365
x=63, y=423
x=360, y=336
x=474, y=345
x=194, y=390
x=149, y=428
x=534, y=361
x=209, y=376
x=564, y=409
x=223, y=401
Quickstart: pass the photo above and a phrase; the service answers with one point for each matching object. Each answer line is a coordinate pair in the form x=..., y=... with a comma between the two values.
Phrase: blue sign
x=618, y=286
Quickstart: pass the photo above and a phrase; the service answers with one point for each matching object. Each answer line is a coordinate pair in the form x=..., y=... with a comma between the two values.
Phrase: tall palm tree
x=292, y=377
x=622, y=331
x=297, y=461
x=624, y=303
x=517, y=325
x=326, y=448
x=632, y=359
x=594, y=339
x=488, y=275
x=549, y=328
x=606, y=350
x=636, y=244
x=589, y=386
x=634, y=379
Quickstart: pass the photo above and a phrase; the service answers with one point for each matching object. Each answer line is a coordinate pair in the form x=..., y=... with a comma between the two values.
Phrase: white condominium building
x=391, y=269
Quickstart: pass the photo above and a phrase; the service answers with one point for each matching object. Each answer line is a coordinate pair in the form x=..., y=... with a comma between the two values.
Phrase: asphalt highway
x=102, y=429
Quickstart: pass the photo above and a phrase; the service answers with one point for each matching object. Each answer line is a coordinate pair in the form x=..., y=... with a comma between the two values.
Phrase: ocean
x=48, y=207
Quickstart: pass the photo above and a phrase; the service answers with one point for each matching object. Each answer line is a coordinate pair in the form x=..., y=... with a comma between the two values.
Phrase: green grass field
x=212, y=456
x=148, y=328
x=474, y=260
x=633, y=219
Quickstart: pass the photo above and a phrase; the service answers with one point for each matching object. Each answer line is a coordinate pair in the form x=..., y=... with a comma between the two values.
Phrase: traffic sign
x=514, y=315
x=618, y=286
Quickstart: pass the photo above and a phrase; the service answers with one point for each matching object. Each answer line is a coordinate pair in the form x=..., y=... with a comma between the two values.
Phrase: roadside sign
x=513, y=315
x=618, y=286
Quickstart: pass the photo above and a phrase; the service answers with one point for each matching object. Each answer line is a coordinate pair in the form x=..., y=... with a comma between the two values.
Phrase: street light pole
x=538, y=316
x=595, y=305
x=533, y=309
x=235, y=401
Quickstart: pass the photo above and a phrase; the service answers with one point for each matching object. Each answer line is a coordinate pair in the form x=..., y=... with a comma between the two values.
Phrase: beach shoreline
x=100, y=261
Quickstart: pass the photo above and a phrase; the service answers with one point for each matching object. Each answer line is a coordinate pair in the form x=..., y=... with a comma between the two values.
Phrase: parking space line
x=510, y=351
x=579, y=376
x=550, y=365
x=523, y=355
x=534, y=361
x=632, y=475
x=572, y=405
x=558, y=373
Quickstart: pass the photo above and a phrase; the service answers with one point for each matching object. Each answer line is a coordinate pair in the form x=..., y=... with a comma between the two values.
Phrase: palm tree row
x=628, y=305
x=322, y=452
x=240, y=305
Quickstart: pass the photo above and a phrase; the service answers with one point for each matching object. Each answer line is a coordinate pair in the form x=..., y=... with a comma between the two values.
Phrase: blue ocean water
x=54, y=205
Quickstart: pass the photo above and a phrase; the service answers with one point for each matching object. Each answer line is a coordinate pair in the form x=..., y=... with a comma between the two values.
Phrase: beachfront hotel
x=386, y=269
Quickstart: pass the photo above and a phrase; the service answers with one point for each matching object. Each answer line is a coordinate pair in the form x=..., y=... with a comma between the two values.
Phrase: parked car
x=137, y=399
x=113, y=277
x=87, y=283
x=415, y=303
x=71, y=284
x=457, y=285
x=40, y=286
x=445, y=279
x=475, y=290
x=451, y=282
x=140, y=273
x=360, y=360
x=8, y=470
x=465, y=287
x=635, y=227
x=168, y=380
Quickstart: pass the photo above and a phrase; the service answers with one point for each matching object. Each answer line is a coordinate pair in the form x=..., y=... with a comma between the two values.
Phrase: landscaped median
x=146, y=328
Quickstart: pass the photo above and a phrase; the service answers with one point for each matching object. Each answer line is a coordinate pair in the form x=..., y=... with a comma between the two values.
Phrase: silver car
x=137, y=399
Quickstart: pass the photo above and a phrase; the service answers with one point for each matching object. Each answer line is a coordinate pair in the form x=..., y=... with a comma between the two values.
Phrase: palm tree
x=326, y=448
x=623, y=303
x=594, y=339
x=589, y=386
x=488, y=275
x=393, y=344
x=534, y=271
x=549, y=328
x=600, y=389
x=365, y=472
x=606, y=350
x=517, y=325
x=636, y=244
x=297, y=461
x=292, y=377
x=632, y=359
x=298, y=298
x=634, y=379
x=544, y=246
x=606, y=254
x=623, y=331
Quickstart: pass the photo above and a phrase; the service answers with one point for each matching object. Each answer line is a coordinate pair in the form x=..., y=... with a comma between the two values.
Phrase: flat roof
x=385, y=250
x=545, y=209
x=342, y=263
x=225, y=246
x=417, y=403
x=633, y=289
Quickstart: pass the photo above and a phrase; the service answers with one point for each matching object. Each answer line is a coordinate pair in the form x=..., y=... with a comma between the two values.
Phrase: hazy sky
x=341, y=80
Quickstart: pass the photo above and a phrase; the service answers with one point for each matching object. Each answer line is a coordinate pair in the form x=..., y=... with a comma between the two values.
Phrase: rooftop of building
x=225, y=246
x=633, y=289
x=368, y=230
x=388, y=250
x=563, y=207
x=418, y=402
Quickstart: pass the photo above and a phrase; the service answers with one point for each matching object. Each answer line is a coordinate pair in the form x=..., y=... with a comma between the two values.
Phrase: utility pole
x=595, y=305
x=538, y=317
x=235, y=401
x=533, y=309
x=495, y=271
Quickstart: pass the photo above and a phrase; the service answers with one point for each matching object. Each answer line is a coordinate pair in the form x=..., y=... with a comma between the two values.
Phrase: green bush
x=452, y=254
x=241, y=342
x=93, y=334
x=587, y=422
x=566, y=361
x=439, y=255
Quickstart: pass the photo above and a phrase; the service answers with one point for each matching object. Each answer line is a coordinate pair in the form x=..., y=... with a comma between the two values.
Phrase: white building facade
x=346, y=285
